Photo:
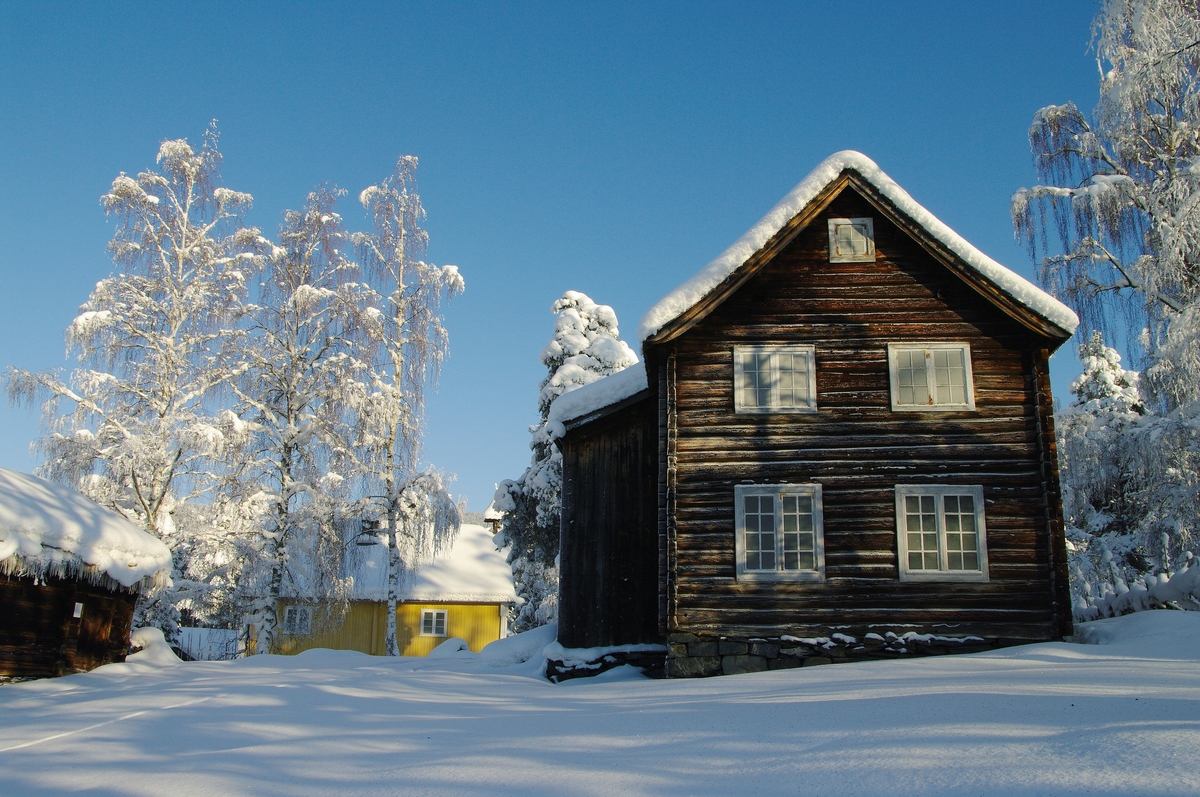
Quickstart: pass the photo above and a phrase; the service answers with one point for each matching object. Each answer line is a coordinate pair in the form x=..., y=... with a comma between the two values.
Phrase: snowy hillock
x=50, y=530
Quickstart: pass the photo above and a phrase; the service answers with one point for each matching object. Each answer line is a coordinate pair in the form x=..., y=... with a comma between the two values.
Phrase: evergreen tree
x=585, y=347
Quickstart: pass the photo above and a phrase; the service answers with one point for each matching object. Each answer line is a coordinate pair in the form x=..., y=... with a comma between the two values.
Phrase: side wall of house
x=608, y=573
x=858, y=449
x=41, y=637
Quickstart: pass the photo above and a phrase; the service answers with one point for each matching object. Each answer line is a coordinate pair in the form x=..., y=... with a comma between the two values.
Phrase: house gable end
x=849, y=177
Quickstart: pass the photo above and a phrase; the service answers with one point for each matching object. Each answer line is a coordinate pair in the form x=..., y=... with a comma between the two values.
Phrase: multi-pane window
x=932, y=376
x=779, y=534
x=774, y=379
x=433, y=622
x=297, y=620
x=941, y=533
x=851, y=241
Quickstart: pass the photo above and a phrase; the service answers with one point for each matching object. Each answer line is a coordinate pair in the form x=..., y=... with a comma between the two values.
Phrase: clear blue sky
x=611, y=148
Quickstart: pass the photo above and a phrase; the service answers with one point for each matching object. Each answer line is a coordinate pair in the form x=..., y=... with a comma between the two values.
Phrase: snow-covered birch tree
x=300, y=362
x=422, y=518
x=132, y=427
x=586, y=346
x=1116, y=225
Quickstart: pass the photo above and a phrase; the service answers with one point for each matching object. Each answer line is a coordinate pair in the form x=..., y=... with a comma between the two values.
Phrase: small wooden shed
x=839, y=444
x=70, y=572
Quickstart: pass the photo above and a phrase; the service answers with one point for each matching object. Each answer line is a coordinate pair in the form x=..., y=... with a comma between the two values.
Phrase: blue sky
x=608, y=148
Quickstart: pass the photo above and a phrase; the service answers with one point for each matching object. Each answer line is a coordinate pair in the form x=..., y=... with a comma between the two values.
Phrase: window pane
x=792, y=380
x=426, y=622
x=960, y=532
x=759, y=519
x=911, y=377
x=921, y=532
x=950, y=377
x=797, y=542
x=439, y=624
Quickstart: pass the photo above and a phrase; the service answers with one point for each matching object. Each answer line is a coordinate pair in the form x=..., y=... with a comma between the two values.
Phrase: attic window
x=851, y=241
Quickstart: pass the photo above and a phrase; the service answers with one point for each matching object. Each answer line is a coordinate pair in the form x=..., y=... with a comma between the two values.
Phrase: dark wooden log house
x=70, y=572
x=841, y=446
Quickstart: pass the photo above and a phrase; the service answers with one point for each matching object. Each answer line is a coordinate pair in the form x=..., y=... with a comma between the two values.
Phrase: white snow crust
x=599, y=394
x=1115, y=718
x=45, y=527
x=689, y=293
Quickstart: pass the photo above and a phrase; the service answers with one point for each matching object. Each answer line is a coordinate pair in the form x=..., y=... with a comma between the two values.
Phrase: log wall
x=40, y=637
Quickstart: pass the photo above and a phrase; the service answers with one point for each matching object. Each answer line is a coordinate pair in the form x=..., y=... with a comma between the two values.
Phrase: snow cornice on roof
x=50, y=530
x=693, y=291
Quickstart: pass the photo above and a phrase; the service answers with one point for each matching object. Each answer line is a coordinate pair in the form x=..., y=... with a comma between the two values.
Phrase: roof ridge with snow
x=687, y=295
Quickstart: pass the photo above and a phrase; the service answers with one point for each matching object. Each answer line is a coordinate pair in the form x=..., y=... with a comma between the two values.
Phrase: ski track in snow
x=1056, y=718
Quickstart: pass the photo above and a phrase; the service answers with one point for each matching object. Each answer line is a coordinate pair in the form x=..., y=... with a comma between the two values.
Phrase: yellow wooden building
x=465, y=593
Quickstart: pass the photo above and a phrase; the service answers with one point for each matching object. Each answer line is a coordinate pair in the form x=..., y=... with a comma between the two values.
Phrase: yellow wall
x=364, y=628
x=477, y=623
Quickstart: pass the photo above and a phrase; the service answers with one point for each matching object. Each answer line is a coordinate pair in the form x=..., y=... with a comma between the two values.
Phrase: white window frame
x=929, y=350
x=297, y=620
x=435, y=614
x=739, y=378
x=939, y=493
x=864, y=227
x=812, y=491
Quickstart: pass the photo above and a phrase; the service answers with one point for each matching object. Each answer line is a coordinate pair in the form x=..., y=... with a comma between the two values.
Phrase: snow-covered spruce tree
x=132, y=427
x=1120, y=203
x=299, y=362
x=586, y=346
x=422, y=518
x=1098, y=474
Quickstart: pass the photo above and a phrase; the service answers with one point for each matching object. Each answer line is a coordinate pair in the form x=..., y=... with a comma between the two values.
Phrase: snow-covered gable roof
x=473, y=570
x=48, y=529
x=690, y=293
x=602, y=393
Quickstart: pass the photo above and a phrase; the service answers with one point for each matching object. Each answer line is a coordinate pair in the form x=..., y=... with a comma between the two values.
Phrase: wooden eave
x=936, y=249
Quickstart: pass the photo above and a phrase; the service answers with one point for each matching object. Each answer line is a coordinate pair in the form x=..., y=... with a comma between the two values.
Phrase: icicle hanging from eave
x=55, y=563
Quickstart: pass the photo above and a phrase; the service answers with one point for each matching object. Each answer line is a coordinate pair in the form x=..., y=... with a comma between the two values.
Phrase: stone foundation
x=651, y=663
x=693, y=656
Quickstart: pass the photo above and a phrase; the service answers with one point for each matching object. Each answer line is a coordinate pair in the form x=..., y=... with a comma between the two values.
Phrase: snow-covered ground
x=1118, y=717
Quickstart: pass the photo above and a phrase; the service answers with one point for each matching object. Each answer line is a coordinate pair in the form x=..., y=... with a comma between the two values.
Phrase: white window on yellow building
x=433, y=622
